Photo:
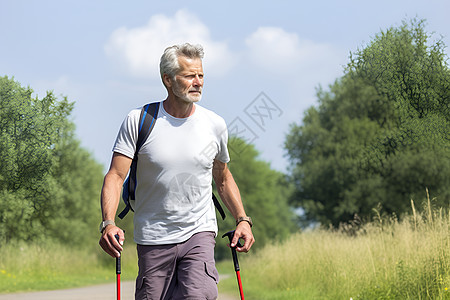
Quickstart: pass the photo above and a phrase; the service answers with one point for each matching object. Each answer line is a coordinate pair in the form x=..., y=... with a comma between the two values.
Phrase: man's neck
x=178, y=108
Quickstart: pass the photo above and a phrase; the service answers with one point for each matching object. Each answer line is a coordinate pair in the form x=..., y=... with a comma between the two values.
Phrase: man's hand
x=243, y=231
x=108, y=241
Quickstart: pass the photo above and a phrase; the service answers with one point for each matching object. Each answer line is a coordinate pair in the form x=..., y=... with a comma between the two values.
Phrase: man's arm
x=229, y=193
x=110, y=197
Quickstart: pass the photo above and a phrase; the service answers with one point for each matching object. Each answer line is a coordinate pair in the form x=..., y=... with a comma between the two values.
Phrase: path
x=97, y=292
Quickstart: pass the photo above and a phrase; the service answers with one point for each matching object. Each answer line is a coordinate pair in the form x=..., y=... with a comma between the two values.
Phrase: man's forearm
x=110, y=195
x=231, y=197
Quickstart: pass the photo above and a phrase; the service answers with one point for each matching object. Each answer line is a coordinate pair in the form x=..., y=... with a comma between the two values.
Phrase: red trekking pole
x=230, y=235
x=118, y=271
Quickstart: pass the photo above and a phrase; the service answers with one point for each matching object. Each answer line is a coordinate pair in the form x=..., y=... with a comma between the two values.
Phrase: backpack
x=147, y=120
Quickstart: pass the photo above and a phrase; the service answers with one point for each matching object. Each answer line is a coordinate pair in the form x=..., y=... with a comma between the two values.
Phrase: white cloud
x=275, y=49
x=139, y=49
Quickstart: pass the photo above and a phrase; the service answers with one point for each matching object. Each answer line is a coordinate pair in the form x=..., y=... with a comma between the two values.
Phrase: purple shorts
x=178, y=271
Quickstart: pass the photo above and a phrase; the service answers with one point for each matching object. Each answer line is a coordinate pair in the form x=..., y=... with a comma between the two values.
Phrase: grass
x=52, y=266
x=49, y=266
x=385, y=259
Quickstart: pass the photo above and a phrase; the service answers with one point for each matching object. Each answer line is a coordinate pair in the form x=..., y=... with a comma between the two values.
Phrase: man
x=175, y=221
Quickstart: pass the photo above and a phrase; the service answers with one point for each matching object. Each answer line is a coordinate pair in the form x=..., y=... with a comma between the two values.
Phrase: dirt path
x=97, y=292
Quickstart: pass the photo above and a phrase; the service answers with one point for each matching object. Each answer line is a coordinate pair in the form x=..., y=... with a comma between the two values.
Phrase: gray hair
x=169, y=60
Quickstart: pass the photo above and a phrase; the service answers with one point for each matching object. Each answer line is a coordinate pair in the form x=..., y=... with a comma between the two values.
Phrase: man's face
x=188, y=82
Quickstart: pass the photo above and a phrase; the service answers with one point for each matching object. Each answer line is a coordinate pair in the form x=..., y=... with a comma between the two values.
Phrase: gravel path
x=97, y=292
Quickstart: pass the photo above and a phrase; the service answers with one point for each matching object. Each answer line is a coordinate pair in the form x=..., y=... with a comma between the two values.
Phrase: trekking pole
x=118, y=271
x=230, y=235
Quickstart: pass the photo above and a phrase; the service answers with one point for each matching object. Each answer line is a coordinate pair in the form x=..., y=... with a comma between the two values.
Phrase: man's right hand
x=109, y=243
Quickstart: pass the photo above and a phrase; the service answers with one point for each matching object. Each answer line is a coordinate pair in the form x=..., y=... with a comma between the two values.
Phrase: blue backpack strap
x=125, y=196
x=147, y=120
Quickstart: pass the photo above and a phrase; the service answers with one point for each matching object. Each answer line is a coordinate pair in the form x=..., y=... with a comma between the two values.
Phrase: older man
x=175, y=222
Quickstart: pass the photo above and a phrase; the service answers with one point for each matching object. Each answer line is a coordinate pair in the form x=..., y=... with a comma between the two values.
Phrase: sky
x=263, y=60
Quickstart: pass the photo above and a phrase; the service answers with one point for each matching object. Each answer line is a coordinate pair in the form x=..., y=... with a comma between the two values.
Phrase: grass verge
x=51, y=266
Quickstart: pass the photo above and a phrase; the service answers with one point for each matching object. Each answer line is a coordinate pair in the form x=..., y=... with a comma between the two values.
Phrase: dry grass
x=384, y=259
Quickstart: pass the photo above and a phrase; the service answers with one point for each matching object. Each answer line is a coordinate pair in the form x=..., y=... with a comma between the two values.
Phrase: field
x=383, y=259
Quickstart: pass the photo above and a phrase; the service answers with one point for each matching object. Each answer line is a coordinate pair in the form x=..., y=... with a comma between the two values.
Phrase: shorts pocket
x=139, y=282
x=211, y=271
x=140, y=292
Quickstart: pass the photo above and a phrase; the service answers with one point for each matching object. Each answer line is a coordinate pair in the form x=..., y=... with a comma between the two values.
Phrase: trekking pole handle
x=118, y=259
x=235, y=260
x=230, y=235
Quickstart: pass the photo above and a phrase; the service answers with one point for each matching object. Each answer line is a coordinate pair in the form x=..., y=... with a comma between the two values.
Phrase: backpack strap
x=218, y=206
x=147, y=120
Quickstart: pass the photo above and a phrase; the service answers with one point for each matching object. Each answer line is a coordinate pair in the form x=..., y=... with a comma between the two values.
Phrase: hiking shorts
x=178, y=271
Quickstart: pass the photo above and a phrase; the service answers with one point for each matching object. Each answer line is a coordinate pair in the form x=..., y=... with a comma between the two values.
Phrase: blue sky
x=263, y=60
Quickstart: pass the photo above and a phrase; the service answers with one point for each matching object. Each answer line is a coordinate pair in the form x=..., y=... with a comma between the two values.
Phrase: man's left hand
x=243, y=231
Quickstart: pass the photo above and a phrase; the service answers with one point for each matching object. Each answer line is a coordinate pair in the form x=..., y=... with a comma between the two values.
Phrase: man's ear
x=167, y=80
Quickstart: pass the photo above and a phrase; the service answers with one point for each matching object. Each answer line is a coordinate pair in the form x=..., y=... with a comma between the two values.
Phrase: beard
x=186, y=96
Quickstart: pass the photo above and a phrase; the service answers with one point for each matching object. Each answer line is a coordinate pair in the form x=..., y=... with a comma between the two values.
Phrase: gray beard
x=185, y=97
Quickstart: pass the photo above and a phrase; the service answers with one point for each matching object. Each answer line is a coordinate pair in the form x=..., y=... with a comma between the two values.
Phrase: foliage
x=264, y=192
x=49, y=185
x=380, y=135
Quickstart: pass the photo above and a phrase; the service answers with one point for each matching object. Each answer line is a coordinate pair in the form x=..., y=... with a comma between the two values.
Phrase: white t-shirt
x=174, y=174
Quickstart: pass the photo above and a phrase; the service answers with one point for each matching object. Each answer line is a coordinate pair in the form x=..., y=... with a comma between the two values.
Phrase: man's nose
x=197, y=81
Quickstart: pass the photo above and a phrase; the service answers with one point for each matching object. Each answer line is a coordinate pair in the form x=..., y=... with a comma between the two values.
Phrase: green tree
x=47, y=181
x=265, y=194
x=380, y=134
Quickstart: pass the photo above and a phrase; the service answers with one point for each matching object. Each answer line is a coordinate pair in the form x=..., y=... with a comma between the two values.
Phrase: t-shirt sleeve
x=127, y=137
x=222, y=154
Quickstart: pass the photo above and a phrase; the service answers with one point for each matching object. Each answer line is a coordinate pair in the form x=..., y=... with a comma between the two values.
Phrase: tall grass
x=384, y=259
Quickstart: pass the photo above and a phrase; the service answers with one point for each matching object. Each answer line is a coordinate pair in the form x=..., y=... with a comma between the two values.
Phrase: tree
x=380, y=135
x=265, y=194
x=47, y=181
